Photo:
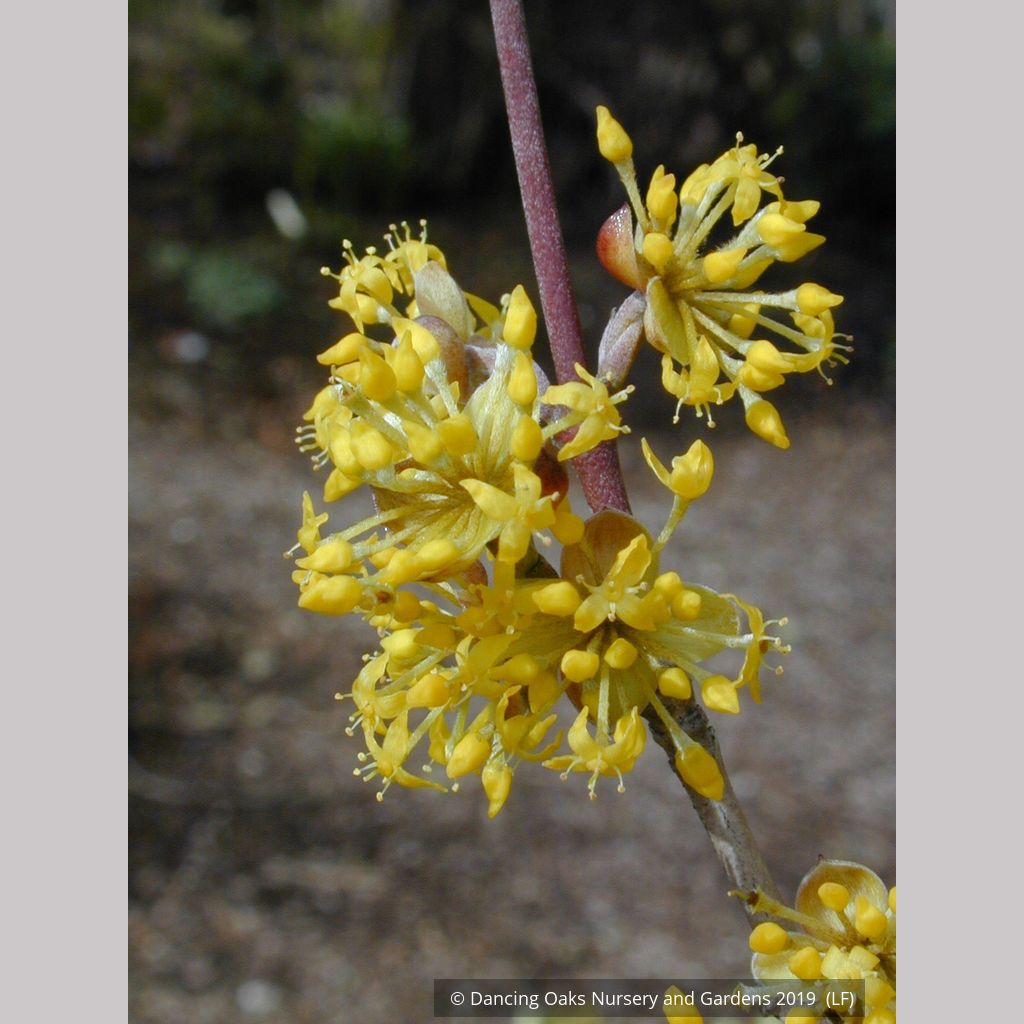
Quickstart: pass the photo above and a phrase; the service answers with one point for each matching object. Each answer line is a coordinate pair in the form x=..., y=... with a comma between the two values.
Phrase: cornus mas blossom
x=842, y=926
x=718, y=338
x=435, y=403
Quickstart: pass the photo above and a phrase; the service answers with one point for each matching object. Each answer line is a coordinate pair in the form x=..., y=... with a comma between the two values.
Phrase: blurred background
x=267, y=884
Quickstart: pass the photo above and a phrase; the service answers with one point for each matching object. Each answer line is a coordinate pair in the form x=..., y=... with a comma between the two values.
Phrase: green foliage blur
x=262, y=133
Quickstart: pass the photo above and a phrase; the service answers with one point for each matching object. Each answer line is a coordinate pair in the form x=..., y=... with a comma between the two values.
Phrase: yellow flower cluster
x=700, y=312
x=842, y=926
x=450, y=423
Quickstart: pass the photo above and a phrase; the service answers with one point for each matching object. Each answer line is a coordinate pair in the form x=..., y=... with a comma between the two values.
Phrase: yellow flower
x=441, y=418
x=591, y=401
x=625, y=637
x=842, y=926
x=601, y=755
x=700, y=312
x=435, y=403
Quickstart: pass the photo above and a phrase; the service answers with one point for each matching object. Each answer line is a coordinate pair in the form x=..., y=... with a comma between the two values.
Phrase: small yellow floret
x=668, y=584
x=834, y=896
x=720, y=694
x=522, y=384
x=806, y=964
x=543, y=691
x=457, y=434
x=568, y=527
x=699, y=770
x=560, y=598
x=527, y=439
x=674, y=682
x=520, y=321
x=344, y=351
x=372, y=449
x=621, y=654
x=764, y=420
x=768, y=938
x=331, y=556
x=522, y=669
x=579, y=666
x=436, y=554
x=407, y=606
x=402, y=567
x=424, y=445
x=743, y=324
x=333, y=595
x=497, y=781
x=686, y=605
x=878, y=992
x=892, y=899
x=431, y=691
x=868, y=919
x=657, y=250
x=691, y=473
x=813, y=300
x=763, y=355
x=661, y=196
x=338, y=484
x=720, y=266
x=376, y=378
x=759, y=380
x=469, y=755
x=423, y=341
x=613, y=142
x=407, y=365
x=776, y=229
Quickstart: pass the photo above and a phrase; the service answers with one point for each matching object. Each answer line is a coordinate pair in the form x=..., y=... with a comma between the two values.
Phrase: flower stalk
x=599, y=470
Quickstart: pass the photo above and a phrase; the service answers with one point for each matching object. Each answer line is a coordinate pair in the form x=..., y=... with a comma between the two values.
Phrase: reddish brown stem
x=599, y=470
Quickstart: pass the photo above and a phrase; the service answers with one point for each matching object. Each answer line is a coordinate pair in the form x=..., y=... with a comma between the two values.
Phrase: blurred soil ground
x=268, y=885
